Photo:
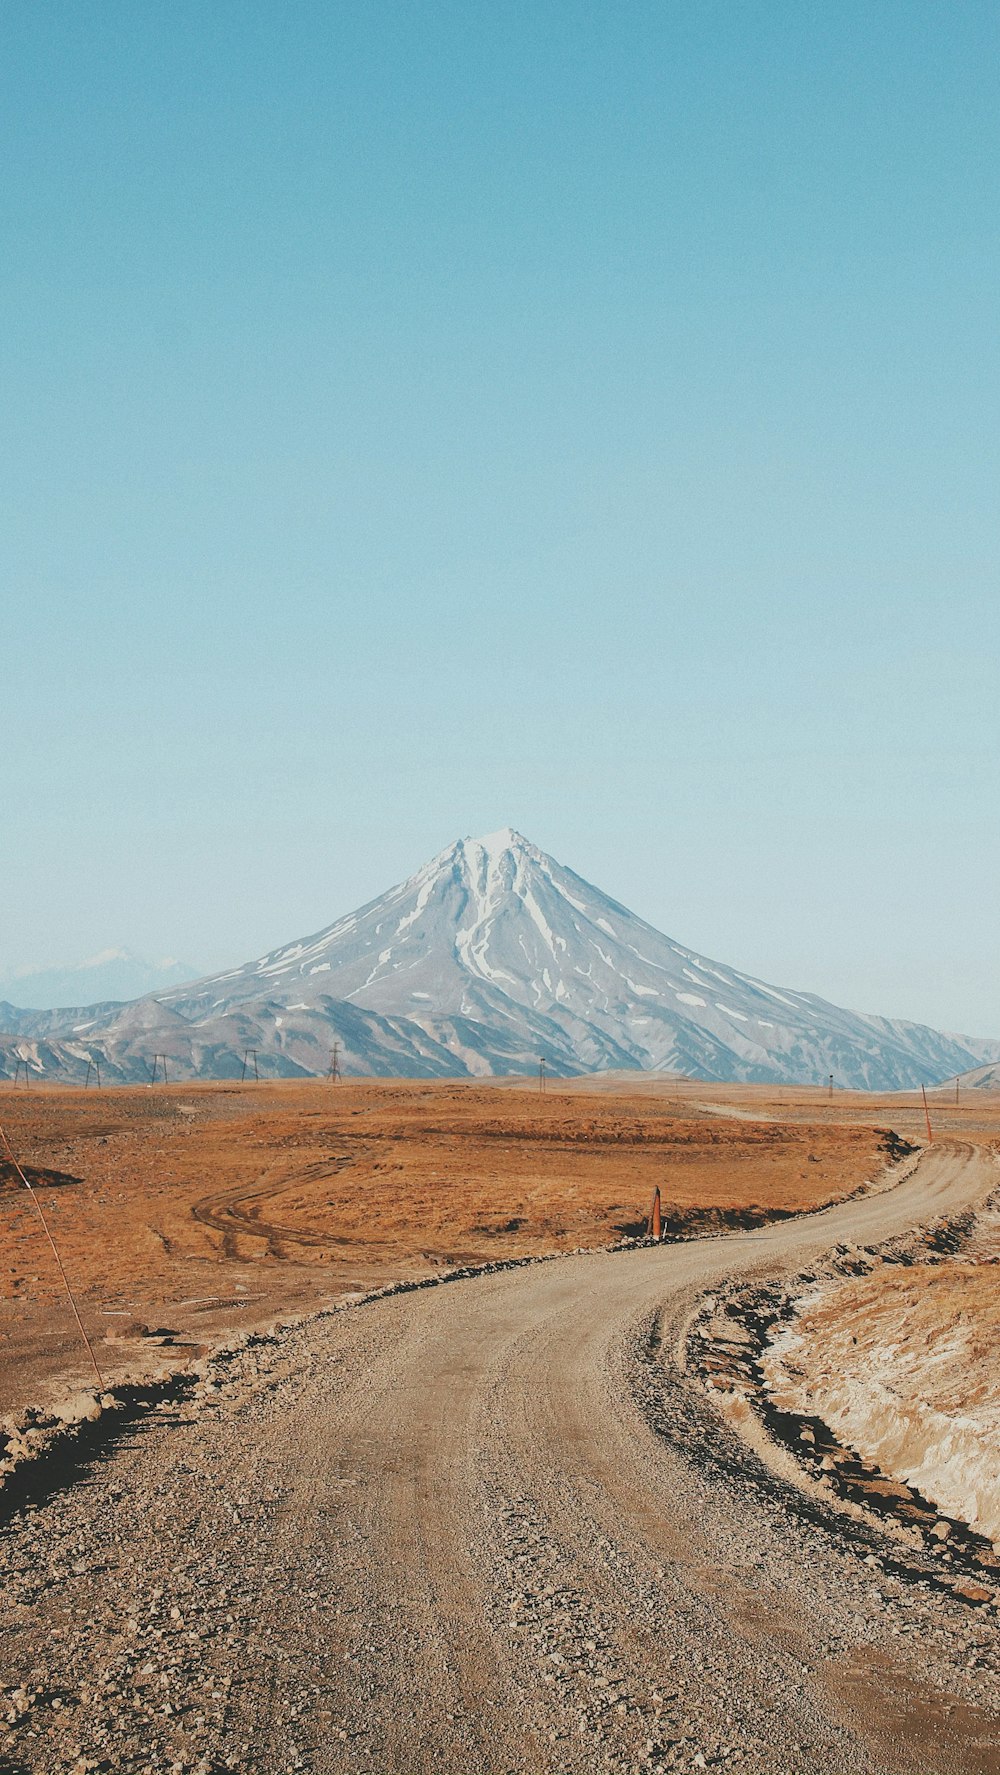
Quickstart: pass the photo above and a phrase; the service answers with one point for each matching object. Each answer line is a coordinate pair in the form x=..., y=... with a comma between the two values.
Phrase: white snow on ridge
x=642, y=991
x=410, y=918
x=500, y=933
x=772, y=991
x=538, y=918
x=578, y=905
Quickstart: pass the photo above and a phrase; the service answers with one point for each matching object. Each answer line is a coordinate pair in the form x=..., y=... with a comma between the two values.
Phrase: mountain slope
x=500, y=953
x=489, y=958
x=980, y=1078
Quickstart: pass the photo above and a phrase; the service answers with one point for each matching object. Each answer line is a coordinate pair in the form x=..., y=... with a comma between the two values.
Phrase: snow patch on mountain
x=490, y=957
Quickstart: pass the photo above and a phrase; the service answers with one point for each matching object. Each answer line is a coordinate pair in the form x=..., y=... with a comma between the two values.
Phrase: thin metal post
x=9, y=1150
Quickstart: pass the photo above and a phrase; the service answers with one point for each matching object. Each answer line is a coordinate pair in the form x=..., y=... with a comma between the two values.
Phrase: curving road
x=490, y=1526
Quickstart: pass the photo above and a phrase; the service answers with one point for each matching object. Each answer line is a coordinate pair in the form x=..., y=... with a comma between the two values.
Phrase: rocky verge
x=876, y=1373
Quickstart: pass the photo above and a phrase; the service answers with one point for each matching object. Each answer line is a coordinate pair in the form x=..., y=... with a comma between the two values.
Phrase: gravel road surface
x=490, y=1526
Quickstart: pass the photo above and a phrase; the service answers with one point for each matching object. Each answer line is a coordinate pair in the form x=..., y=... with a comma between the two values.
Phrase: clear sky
x=419, y=418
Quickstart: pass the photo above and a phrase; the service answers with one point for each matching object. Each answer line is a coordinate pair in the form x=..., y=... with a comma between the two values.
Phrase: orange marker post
x=654, y=1225
x=927, y=1114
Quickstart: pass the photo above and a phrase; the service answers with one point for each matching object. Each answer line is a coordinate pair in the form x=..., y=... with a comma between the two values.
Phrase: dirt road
x=490, y=1526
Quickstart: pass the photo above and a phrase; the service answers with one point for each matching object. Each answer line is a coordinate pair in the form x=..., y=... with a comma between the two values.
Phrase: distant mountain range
x=981, y=1078
x=114, y=974
x=491, y=957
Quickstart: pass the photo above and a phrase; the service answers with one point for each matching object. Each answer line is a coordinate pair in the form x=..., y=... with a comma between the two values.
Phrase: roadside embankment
x=901, y=1363
x=877, y=1370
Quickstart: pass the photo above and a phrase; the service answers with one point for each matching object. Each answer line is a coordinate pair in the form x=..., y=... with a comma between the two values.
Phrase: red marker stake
x=927, y=1113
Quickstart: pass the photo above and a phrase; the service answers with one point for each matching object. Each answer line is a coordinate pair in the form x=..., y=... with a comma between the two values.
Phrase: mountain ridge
x=491, y=956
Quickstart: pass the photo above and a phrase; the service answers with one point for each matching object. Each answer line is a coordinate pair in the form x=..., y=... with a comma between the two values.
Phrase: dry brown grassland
x=187, y=1211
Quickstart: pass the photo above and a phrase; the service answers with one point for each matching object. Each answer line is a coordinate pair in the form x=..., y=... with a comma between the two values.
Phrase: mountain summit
x=492, y=956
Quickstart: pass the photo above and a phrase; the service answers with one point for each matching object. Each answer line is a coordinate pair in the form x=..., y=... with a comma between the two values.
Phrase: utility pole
x=335, y=1073
x=541, y=1075
x=249, y=1053
x=956, y=1093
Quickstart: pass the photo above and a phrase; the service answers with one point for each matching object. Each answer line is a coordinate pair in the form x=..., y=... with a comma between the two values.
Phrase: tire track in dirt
x=236, y=1212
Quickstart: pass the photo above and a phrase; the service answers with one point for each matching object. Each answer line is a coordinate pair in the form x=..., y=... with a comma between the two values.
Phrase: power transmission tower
x=159, y=1060
x=93, y=1066
x=335, y=1073
x=249, y=1054
x=18, y=1064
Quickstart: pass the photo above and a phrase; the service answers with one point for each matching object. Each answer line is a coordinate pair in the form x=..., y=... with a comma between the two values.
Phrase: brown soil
x=485, y=1527
x=901, y=1363
x=183, y=1212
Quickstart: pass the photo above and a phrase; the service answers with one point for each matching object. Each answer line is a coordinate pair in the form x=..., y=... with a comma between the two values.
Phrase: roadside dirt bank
x=492, y=1526
x=879, y=1370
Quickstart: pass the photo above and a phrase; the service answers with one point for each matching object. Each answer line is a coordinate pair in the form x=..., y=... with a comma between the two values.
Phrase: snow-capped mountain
x=489, y=958
x=113, y=974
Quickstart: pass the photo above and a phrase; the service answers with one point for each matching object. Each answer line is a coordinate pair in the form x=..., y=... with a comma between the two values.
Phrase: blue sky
x=423, y=418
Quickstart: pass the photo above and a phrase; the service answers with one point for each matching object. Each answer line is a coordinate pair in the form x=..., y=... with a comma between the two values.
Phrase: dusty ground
x=902, y=1364
x=497, y=1525
x=493, y=1527
x=184, y=1212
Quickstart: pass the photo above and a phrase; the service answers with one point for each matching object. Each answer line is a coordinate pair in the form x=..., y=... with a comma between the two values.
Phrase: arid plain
x=549, y=1518
x=181, y=1212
